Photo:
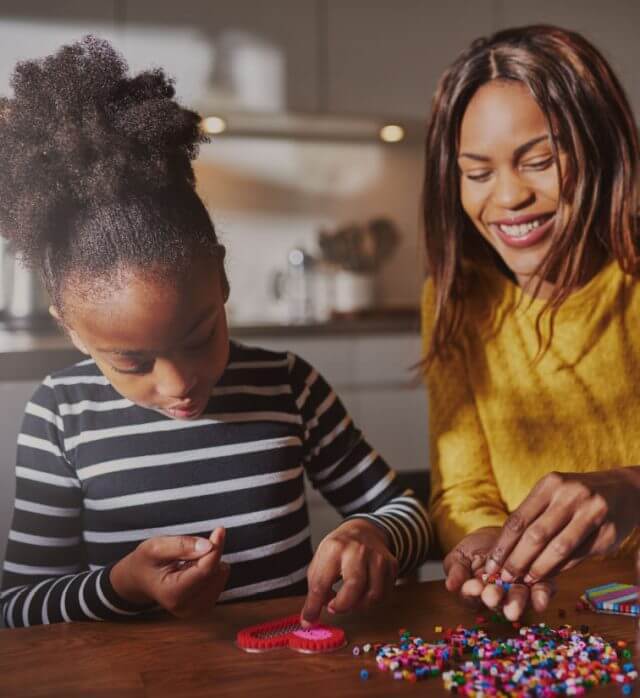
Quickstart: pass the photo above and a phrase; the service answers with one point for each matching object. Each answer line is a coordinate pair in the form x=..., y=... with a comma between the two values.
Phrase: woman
x=531, y=313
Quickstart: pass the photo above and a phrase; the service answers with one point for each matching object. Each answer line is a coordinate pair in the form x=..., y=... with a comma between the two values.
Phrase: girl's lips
x=183, y=414
x=188, y=412
x=529, y=239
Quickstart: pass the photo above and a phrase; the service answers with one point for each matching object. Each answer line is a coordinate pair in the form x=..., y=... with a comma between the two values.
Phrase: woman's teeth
x=518, y=231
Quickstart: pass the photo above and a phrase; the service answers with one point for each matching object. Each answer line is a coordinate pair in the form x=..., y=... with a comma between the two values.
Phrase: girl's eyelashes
x=137, y=370
x=146, y=366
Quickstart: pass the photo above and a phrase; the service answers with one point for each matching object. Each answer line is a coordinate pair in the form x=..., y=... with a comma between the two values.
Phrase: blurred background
x=316, y=111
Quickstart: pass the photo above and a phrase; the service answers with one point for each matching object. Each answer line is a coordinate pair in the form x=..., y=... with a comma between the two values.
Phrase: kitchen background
x=296, y=95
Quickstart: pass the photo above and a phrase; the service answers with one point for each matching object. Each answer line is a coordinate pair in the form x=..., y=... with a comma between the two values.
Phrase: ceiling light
x=214, y=125
x=391, y=133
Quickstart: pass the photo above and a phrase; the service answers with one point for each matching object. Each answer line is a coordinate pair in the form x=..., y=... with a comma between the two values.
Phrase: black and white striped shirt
x=97, y=474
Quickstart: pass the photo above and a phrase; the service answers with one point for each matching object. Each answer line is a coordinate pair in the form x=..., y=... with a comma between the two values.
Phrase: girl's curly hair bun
x=79, y=133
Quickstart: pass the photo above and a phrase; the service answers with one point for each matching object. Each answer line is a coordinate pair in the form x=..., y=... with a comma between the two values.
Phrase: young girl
x=132, y=464
x=531, y=312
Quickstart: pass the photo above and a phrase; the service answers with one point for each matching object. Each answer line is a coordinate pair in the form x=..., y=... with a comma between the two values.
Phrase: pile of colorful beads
x=413, y=658
x=538, y=661
x=497, y=580
x=541, y=661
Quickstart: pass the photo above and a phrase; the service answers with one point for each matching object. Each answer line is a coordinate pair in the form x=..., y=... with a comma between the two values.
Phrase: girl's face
x=509, y=182
x=161, y=345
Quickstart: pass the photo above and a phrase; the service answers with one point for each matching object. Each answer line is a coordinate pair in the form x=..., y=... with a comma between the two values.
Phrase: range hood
x=310, y=126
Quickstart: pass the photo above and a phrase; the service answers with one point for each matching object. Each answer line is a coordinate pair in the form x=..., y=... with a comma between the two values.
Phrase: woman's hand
x=358, y=551
x=468, y=558
x=638, y=583
x=183, y=574
x=565, y=518
x=464, y=567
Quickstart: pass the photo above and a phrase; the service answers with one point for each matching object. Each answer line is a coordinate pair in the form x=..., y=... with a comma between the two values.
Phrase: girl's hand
x=565, y=518
x=464, y=567
x=183, y=574
x=358, y=551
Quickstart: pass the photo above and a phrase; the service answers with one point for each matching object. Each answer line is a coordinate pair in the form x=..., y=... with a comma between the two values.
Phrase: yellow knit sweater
x=498, y=422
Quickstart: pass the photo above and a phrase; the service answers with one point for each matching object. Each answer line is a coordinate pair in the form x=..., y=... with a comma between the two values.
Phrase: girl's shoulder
x=241, y=354
x=81, y=374
x=267, y=363
x=64, y=392
x=254, y=364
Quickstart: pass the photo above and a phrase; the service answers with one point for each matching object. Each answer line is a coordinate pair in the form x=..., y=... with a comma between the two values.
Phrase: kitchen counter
x=28, y=355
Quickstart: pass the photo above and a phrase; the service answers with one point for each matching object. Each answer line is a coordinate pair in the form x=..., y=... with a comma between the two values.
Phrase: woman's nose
x=174, y=380
x=510, y=191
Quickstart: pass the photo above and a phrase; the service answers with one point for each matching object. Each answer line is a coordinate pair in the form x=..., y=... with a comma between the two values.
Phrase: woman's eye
x=478, y=176
x=539, y=164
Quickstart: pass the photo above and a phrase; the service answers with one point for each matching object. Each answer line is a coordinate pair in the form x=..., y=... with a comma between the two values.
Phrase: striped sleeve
x=350, y=474
x=45, y=577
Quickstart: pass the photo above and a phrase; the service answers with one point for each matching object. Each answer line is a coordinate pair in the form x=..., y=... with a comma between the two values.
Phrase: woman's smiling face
x=509, y=183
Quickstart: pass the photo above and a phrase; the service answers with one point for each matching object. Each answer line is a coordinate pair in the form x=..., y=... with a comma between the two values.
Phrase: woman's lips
x=527, y=239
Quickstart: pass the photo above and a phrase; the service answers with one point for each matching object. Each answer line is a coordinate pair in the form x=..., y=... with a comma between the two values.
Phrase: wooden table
x=163, y=656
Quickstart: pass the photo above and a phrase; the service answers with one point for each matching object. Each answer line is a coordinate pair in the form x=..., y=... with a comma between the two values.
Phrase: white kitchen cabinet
x=386, y=360
x=612, y=27
x=238, y=54
x=387, y=57
x=395, y=422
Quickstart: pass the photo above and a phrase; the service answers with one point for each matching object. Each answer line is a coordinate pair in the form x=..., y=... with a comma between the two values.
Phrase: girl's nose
x=174, y=380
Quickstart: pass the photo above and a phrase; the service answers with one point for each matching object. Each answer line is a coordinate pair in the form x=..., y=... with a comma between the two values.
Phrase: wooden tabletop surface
x=162, y=656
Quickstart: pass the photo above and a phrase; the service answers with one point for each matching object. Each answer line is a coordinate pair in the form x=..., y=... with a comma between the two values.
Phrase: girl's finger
x=492, y=596
x=218, y=536
x=380, y=582
x=198, y=573
x=169, y=549
x=355, y=576
x=204, y=600
x=534, y=540
x=323, y=573
x=216, y=539
x=516, y=601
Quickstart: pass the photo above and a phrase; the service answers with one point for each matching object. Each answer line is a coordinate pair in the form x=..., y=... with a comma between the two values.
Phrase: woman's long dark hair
x=588, y=117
